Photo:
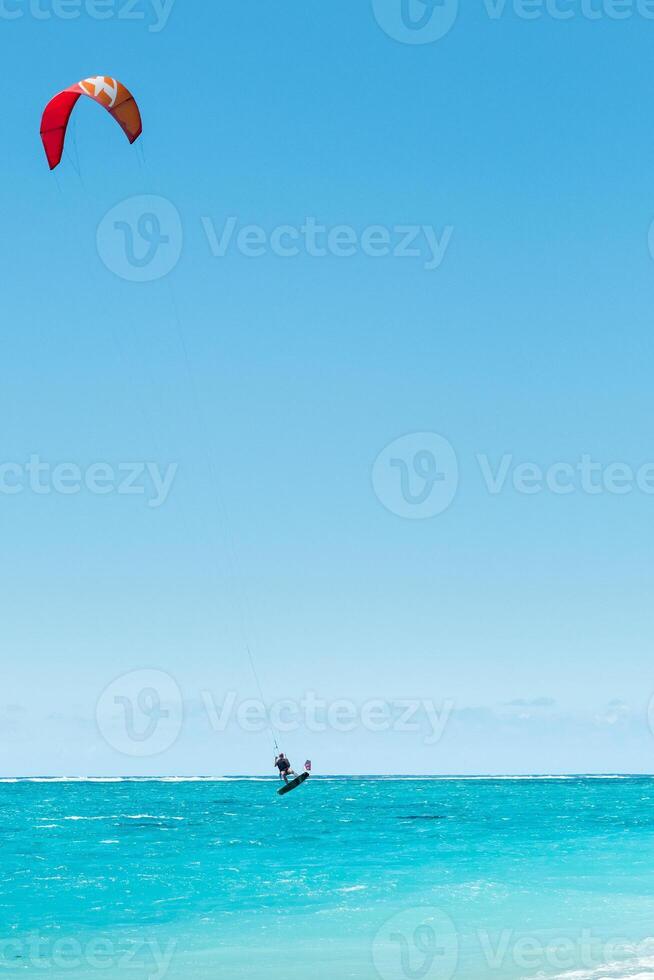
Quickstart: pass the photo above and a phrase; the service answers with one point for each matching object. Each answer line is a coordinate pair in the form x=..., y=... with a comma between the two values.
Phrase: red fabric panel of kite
x=108, y=92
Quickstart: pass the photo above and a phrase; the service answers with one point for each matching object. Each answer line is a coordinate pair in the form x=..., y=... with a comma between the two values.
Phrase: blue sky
x=271, y=384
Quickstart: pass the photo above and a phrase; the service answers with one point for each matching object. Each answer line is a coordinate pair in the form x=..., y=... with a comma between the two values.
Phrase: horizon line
x=235, y=777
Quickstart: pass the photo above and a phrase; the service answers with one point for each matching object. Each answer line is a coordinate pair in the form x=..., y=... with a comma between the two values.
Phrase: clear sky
x=513, y=157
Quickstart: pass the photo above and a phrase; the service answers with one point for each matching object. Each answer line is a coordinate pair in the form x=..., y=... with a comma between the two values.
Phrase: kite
x=107, y=92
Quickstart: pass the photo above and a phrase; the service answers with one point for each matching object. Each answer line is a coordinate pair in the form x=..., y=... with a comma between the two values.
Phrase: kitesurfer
x=284, y=767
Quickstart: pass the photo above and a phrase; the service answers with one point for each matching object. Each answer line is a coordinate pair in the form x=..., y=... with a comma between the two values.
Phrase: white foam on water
x=392, y=778
x=638, y=964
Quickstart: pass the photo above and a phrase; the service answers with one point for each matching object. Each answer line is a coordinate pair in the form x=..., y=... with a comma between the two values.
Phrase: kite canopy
x=108, y=92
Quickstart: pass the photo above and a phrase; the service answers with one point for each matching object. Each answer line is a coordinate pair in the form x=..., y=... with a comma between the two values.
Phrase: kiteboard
x=294, y=783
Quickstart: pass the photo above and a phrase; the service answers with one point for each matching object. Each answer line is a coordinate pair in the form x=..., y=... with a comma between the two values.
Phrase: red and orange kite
x=108, y=92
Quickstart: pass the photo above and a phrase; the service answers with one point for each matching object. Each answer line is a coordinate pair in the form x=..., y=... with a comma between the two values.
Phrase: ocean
x=363, y=878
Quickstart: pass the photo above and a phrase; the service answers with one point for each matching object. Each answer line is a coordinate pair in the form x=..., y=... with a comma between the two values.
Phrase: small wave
x=147, y=816
x=639, y=965
x=75, y=817
x=125, y=816
x=428, y=816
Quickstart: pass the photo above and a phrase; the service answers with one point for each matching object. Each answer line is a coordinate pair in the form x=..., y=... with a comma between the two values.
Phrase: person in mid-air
x=284, y=767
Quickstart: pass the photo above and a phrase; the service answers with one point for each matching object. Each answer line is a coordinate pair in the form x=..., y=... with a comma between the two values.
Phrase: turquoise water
x=401, y=879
